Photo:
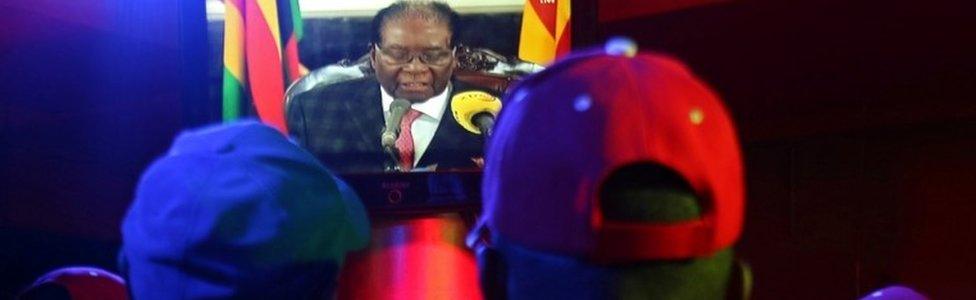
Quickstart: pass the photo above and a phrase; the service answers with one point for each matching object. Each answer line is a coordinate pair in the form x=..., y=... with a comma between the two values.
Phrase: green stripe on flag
x=296, y=19
x=231, y=97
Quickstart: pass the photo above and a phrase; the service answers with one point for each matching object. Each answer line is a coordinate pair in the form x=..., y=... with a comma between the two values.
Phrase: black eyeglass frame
x=424, y=57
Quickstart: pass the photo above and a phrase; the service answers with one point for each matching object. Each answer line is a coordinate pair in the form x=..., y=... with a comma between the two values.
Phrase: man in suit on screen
x=413, y=55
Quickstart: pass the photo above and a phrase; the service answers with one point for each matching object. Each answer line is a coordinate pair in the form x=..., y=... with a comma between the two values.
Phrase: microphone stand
x=485, y=122
x=395, y=167
x=391, y=132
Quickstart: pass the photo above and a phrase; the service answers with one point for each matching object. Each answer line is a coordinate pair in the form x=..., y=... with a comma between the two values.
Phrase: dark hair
x=432, y=10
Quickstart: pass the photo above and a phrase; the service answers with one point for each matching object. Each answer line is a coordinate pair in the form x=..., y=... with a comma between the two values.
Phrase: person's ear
x=455, y=64
x=492, y=273
x=372, y=55
x=123, y=264
x=740, y=281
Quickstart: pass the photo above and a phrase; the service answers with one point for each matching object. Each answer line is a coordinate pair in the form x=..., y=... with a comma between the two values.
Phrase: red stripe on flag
x=264, y=69
x=291, y=58
x=547, y=13
x=563, y=47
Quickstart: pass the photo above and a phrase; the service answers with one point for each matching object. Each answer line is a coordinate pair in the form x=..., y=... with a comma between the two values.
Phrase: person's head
x=637, y=193
x=78, y=282
x=611, y=176
x=236, y=211
x=413, y=48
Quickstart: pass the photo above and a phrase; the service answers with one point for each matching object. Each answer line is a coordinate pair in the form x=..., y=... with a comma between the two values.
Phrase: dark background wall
x=859, y=129
x=90, y=92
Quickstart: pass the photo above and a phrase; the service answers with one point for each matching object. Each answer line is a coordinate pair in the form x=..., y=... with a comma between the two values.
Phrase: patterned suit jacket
x=341, y=125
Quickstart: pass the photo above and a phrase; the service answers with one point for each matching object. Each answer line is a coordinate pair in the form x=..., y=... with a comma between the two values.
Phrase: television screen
x=395, y=107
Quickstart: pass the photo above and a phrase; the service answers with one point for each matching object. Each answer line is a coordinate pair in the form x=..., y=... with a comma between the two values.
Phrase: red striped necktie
x=404, y=143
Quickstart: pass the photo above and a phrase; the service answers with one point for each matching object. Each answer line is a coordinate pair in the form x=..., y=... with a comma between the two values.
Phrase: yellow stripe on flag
x=535, y=43
x=269, y=9
x=562, y=18
x=234, y=42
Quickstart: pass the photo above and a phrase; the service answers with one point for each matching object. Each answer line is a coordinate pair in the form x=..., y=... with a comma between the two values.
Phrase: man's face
x=414, y=60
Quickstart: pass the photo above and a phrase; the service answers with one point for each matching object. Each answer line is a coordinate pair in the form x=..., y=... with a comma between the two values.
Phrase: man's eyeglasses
x=396, y=56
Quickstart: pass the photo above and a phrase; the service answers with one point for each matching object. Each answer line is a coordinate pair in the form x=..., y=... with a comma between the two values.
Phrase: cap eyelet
x=620, y=46
x=696, y=115
x=582, y=103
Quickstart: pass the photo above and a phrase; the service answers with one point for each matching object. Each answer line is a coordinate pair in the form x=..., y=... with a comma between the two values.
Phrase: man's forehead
x=419, y=29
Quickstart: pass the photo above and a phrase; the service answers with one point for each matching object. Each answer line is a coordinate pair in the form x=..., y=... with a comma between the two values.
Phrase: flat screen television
x=335, y=48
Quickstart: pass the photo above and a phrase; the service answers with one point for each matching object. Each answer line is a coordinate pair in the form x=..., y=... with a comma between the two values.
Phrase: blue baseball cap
x=238, y=210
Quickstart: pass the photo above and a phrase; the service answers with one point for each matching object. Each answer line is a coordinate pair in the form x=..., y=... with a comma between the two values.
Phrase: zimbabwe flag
x=545, y=30
x=260, y=57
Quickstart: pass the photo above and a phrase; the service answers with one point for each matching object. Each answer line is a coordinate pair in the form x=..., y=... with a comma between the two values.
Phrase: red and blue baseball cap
x=564, y=130
x=77, y=283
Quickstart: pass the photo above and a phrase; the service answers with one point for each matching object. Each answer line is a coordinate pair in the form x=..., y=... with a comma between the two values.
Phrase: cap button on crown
x=621, y=46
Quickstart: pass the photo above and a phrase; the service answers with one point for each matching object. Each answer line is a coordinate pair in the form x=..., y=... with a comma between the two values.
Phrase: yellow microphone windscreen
x=466, y=105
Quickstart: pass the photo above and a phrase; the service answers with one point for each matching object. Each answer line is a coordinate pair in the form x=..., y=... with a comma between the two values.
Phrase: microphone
x=392, y=129
x=475, y=111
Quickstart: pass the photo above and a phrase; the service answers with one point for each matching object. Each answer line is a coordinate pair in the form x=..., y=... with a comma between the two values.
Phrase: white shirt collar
x=433, y=107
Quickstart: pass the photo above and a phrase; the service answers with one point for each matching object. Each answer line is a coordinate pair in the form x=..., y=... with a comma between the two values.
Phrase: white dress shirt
x=424, y=127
